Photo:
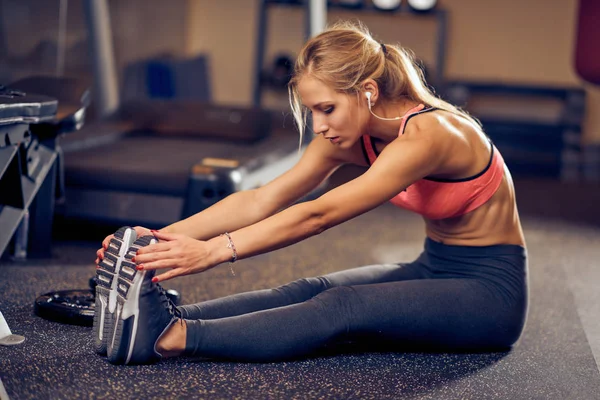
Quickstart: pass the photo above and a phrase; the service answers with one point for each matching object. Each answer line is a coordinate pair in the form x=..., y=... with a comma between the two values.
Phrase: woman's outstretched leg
x=300, y=290
x=437, y=313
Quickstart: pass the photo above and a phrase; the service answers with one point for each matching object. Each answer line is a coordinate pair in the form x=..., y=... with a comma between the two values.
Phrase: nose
x=319, y=127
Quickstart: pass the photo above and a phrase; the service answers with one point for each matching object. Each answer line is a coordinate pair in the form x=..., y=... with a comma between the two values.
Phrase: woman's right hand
x=139, y=230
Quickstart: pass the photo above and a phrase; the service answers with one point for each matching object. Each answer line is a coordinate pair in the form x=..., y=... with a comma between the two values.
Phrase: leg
x=301, y=290
x=440, y=313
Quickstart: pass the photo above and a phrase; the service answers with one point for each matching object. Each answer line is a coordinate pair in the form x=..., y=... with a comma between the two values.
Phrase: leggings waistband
x=441, y=249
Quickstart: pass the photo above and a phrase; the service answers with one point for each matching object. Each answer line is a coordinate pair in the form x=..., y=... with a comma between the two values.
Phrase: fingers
x=155, y=264
x=168, y=275
x=106, y=241
x=99, y=255
x=167, y=236
x=100, y=252
x=148, y=253
x=141, y=231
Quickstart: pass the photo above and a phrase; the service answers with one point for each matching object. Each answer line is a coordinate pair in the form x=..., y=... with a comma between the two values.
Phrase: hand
x=181, y=253
x=139, y=230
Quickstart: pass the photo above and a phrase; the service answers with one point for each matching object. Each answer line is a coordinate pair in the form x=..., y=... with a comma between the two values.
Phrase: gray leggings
x=450, y=298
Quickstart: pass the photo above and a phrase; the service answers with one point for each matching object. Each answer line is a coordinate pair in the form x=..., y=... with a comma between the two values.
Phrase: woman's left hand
x=182, y=254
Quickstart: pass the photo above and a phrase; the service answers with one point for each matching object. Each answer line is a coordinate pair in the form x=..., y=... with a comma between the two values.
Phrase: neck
x=388, y=130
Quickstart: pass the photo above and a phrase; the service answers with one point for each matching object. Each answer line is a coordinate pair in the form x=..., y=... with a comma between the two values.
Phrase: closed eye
x=328, y=110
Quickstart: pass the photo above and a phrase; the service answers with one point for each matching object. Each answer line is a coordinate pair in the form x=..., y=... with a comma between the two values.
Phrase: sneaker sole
x=126, y=320
x=106, y=293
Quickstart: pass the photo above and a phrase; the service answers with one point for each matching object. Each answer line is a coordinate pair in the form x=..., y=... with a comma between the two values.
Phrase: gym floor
x=556, y=358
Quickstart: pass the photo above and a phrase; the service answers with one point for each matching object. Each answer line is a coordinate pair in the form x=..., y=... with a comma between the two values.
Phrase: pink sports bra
x=444, y=198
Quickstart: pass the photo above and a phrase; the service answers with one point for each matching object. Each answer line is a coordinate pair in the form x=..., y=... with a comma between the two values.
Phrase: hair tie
x=383, y=48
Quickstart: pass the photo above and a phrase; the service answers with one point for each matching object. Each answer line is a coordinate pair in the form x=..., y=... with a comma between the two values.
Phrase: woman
x=370, y=106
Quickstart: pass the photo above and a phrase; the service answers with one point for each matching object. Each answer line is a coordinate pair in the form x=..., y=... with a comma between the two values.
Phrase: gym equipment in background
x=280, y=73
x=167, y=77
x=351, y=3
x=316, y=16
x=152, y=162
x=33, y=113
x=587, y=56
x=155, y=167
x=414, y=5
x=387, y=5
x=537, y=129
x=587, y=66
x=422, y=5
x=76, y=307
x=7, y=338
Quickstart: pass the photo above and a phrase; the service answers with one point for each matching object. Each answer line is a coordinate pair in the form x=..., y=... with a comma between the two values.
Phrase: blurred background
x=160, y=73
x=530, y=43
x=126, y=112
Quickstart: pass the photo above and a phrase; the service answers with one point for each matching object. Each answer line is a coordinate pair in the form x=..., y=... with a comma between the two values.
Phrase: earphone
x=369, y=94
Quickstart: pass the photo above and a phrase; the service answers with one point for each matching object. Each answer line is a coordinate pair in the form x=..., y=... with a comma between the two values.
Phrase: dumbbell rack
x=29, y=126
x=440, y=14
x=26, y=166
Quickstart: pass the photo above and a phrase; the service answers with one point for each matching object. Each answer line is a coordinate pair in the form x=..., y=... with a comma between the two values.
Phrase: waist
x=474, y=239
x=501, y=267
x=455, y=250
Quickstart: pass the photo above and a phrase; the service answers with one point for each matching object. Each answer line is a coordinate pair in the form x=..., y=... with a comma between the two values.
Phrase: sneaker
x=106, y=286
x=144, y=312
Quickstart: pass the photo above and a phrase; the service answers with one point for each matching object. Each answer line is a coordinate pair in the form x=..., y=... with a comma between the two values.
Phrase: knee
x=504, y=330
x=302, y=289
x=513, y=330
x=512, y=323
x=337, y=302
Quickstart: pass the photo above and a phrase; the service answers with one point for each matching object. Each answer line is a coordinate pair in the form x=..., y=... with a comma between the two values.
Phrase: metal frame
x=30, y=212
x=315, y=20
x=106, y=87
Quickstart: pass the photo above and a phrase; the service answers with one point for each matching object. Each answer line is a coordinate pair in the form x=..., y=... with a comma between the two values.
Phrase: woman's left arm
x=401, y=163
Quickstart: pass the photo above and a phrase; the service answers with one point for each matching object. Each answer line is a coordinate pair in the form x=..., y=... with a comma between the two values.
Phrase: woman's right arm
x=233, y=212
x=245, y=208
x=241, y=209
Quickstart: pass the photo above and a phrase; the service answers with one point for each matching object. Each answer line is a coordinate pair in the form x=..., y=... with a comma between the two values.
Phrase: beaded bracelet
x=231, y=246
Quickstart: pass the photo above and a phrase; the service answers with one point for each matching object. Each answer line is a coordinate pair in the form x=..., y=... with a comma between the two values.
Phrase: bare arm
x=248, y=207
x=245, y=208
x=236, y=211
x=400, y=164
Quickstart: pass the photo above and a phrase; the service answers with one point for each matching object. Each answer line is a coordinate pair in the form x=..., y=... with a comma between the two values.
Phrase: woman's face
x=336, y=116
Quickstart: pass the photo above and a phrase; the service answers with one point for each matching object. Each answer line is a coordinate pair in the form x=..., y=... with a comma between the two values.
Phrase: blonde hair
x=346, y=54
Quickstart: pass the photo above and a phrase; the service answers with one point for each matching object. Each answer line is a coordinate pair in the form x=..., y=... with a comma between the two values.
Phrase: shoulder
x=444, y=130
x=430, y=143
x=428, y=129
x=456, y=142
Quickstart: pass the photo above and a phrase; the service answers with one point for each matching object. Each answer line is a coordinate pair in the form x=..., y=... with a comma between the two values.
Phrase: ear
x=370, y=85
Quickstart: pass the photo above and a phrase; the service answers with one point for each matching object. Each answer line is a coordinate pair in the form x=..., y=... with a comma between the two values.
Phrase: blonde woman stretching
x=371, y=107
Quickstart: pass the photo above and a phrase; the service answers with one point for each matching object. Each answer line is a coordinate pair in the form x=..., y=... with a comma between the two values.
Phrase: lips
x=333, y=139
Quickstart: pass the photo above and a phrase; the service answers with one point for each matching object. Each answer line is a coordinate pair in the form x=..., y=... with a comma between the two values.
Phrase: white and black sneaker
x=144, y=312
x=106, y=286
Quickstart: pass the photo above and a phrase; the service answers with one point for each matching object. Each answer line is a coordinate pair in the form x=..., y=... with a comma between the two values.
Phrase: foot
x=144, y=312
x=172, y=342
x=106, y=286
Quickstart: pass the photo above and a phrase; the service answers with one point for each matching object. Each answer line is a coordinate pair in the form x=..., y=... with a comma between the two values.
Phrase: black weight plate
x=75, y=307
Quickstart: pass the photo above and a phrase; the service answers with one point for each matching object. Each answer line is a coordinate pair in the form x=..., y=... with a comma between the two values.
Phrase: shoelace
x=172, y=307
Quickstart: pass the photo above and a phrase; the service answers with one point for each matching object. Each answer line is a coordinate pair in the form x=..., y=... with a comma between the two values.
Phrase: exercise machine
x=153, y=162
x=32, y=117
x=163, y=161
